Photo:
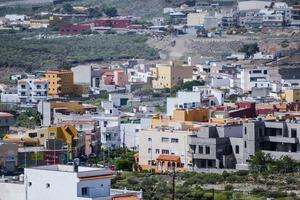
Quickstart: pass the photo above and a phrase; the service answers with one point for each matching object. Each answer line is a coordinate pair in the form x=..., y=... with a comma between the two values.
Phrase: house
x=39, y=23
x=8, y=156
x=33, y=90
x=74, y=29
x=161, y=149
x=64, y=182
x=60, y=82
x=166, y=76
x=6, y=120
x=116, y=77
x=196, y=19
x=111, y=22
x=292, y=95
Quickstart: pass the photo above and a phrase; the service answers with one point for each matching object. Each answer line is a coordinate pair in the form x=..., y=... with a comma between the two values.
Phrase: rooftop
x=59, y=72
x=4, y=114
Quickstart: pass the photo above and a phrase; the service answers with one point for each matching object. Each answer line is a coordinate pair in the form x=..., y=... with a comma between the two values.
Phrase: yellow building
x=182, y=117
x=39, y=23
x=60, y=82
x=166, y=76
x=292, y=95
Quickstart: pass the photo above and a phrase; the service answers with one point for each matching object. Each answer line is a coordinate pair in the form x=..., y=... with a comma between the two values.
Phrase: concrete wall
x=12, y=191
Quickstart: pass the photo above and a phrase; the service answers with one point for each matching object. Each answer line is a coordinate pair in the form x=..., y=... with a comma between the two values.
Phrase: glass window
x=165, y=151
x=84, y=191
x=207, y=150
x=237, y=149
x=174, y=140
x=294, y=133
x=164, y=139
x=200, y=149
x=149, y=150
x=157, y=151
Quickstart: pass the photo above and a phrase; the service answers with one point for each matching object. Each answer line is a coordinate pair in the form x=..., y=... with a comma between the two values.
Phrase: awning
x=173, y=158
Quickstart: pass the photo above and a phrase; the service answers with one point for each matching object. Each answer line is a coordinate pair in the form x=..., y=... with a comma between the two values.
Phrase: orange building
x=60, y=82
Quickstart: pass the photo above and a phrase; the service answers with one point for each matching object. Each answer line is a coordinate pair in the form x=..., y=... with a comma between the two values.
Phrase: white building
x=53, y=182
x=260, y=77
x=32, y=90
x=158, y=142
x=220, y=82
x=130, y=132
x=200, y=96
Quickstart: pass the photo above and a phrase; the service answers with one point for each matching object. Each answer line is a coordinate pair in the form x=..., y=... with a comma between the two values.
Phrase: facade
x=39, y=23
x=8, y=156
x=60, y=82
x=292, y=95
x=6, y=120
x=261, y=77
x=33, y=90
x=216, y=146
x=160, y=149
x=74, y=29
x=112, y=22
x=65, y=182
x=166, y=76
x=196, y=19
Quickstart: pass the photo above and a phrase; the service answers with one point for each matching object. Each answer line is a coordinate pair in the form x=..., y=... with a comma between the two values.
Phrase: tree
x=110, y=11
x=260, y=161
x=29, y=119
x=187, y=86
x=68, y=8
x=250, y=49
x=125, y=162
x=94, y=12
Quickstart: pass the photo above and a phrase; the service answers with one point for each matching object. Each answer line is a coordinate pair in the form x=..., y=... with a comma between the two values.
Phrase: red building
x=112, y=22
x=73, y=29
x=244, y=110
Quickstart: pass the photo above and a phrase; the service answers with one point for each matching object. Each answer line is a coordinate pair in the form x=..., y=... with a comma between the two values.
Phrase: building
x=60, y=82
x=161, y=149
x=33, y=90
x=74, y=29
x=54, y=112
x=292, y=95
x=8, y=156
x=201, y=96
x=277, y=137
x=196, y=19
x=166, y=76
x=111, y=22
x=216, y=145
x=39, y=23
x=64, y=182
x=260, y=77
x=116, y=77
x=6, y=120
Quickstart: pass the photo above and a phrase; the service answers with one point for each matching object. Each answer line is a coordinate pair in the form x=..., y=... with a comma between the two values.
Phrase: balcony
x=280, y=139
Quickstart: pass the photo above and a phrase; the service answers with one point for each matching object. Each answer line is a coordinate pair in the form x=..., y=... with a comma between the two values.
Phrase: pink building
x=120, y=78
x=117, y=77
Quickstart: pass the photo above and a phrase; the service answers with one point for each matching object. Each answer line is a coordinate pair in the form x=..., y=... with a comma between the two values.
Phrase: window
x=174, y=140
x=237, y=149
x=84, y=191
x=29, y=184
x=245, y=144
x=207, y=150
x=52, y=134
x=200, y=149
x=164, y=139
x=42, y=135
x=149, y=150
x=165, y=151
x=157, y=151
x=80, y=126
x=245, y=130
x=294, y=133
x=149, y=139
x=48, y=185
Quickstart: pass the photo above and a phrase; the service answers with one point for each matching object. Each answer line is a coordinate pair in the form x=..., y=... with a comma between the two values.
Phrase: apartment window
x=174, y=140
x=29, y=184
x=200, y=149
x=245, y=144
x=23, y=86
x=157, y=151
x=165, y=151
x=42, y=135
x=149, y=150
x=84, y=191
x=52, y=134
x=245, y=130
x=294, y=133
x=237, y=149
x=164, y=139
x=48, y=185
x=207, y=150
x=149, y=139
x=265, y=72
x=80, y=126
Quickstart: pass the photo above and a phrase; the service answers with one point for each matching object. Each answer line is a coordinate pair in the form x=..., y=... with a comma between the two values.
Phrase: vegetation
x=33, y=53
x=110, y=11
x=187, y=86
x=28, y=119
x=250, y=49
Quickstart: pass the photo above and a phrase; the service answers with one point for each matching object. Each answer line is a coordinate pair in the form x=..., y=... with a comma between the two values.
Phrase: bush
x=229, y=187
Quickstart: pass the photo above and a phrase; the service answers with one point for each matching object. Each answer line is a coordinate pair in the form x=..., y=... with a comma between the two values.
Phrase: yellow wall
x=71, y=106
x=62, y=79
x=81, y=89
x=166, y=76
x=197, y=115
x=292, y=95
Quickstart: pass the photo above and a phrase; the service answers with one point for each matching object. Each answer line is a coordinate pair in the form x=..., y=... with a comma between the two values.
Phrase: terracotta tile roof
x=165, y=157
